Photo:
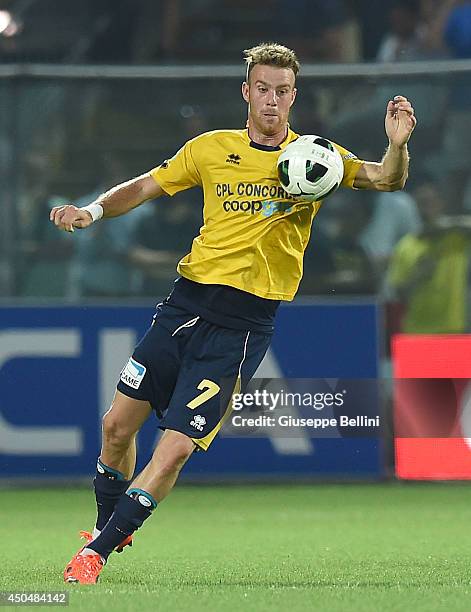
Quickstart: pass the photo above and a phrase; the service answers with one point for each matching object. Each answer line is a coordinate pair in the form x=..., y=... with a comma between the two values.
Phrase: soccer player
x=217, y=322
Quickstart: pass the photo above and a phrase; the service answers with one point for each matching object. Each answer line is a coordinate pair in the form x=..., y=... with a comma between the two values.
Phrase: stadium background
x=92, y=93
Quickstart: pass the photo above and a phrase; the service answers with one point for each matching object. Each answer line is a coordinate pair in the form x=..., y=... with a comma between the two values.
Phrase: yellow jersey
x=254, y=234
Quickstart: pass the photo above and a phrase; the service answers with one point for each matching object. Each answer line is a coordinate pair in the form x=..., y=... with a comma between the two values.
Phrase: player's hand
x=400, y=121
x=69, y=217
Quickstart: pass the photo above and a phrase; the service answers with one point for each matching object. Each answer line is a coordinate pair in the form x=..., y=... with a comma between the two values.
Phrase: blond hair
x=271, y=54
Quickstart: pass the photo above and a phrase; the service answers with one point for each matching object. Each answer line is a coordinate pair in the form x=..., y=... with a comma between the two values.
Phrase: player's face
x=270, y=93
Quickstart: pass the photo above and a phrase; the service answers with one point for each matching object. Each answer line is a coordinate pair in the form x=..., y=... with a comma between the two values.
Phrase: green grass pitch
x=374, y=547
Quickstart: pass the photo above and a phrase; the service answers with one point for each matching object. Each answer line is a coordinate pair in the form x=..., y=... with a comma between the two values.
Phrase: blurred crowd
x=71, y=141
x=148, y=31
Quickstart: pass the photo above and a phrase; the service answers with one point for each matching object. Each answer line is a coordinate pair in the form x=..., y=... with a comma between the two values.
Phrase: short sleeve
x=351, y=165
x=180, y=172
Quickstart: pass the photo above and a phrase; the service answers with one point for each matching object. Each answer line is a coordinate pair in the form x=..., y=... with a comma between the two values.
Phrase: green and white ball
x=310, y=167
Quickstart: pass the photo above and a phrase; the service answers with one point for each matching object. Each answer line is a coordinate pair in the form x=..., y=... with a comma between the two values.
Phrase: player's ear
x=245, y=91
x=293, y=94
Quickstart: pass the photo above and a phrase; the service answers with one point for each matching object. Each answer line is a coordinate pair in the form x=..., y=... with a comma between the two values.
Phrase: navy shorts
x=188, y=369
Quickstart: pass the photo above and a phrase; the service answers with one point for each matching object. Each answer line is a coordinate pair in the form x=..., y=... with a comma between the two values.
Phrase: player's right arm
x=117, y=201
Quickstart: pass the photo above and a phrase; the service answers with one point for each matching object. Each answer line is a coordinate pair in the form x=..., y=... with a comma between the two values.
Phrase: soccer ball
x=310, y=167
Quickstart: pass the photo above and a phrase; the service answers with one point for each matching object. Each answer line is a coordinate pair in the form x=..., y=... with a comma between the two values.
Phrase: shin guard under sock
x=109, y=485
x=128, y=516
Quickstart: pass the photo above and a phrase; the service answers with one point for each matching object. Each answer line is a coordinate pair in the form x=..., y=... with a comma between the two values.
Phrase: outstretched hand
x=400, y=121
x=70, y=217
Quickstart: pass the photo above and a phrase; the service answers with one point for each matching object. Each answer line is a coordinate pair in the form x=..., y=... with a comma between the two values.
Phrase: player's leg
x=146, y=383
x=216, y=364
x=117, y=461
x=115, y=468
x=147, y=380
x=149, y=488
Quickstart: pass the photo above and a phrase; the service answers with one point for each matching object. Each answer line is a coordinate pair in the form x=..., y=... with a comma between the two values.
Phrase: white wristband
x=96, y=210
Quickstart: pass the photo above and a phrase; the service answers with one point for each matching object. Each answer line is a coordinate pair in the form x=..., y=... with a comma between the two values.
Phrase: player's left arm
x=390, y=174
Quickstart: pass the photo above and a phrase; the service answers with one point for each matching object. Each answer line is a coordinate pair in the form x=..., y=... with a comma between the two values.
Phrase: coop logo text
x=254, y=198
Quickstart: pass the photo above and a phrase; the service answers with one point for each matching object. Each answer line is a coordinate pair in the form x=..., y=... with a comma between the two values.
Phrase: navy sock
x=129, y=514
x=109, y=485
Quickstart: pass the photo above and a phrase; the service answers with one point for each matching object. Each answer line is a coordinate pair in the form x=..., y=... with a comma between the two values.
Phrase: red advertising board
x=432, y=406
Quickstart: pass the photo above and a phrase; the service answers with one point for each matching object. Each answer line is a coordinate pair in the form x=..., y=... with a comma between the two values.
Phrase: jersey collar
x=260, y=147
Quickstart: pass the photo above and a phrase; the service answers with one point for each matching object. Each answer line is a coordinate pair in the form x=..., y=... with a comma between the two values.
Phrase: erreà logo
x=233, y=158
x=198, y=422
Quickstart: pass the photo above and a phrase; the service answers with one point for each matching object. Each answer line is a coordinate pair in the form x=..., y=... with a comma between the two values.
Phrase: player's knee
x=115, y=431
x=175, y=456
x=182, y=451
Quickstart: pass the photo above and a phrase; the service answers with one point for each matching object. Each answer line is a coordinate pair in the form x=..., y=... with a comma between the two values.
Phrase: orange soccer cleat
x=84, y=569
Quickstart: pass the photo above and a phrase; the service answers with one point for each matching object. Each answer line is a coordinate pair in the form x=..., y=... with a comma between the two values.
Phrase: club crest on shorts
x=133, y=373
x=198, y=422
